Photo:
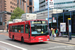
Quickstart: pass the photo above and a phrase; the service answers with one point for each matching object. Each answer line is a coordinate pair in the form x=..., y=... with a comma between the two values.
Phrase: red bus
x=29, y=31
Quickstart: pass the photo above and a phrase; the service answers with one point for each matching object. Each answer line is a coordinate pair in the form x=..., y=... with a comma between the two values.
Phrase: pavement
x=64, y=40
x=5, y=33
x=67, y=36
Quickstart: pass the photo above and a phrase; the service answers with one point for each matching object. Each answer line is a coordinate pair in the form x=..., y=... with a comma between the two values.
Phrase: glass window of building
x=17, y=2
x=20, y=2
x=60, y=19
x=54, y=24
x=0, y=23
x=73, y=21
x=30, y=2
x=0, y=20
x=30, y=9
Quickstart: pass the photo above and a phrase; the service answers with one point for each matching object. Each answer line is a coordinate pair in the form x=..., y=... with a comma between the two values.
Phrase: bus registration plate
x=40, y=40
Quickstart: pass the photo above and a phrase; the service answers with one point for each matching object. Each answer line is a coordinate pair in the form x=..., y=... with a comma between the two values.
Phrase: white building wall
x=40, y=8
x=41, y=0
x=67, y=6
x=58, y=1
x=44, y=14
x=42, y=4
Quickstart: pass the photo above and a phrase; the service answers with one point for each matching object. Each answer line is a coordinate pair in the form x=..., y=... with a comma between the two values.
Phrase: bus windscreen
x=39, y=28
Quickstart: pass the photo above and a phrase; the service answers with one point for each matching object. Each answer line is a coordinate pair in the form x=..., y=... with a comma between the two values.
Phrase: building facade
x=42, y=4
x=7, y=7
x=57, y=16
x=63, y=18
x=64, y=4
x=43, y=14
x=59, y=4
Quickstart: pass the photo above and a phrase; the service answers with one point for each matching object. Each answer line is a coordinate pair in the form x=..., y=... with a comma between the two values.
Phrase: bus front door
x=27, y=32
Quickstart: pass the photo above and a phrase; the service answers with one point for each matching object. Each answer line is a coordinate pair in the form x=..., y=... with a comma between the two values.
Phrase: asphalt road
x=17, y=45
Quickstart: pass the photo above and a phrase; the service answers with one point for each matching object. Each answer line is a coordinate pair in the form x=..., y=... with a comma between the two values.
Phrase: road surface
x=7, y=43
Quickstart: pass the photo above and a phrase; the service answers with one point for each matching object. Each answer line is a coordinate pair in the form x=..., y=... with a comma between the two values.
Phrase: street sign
x=69, y=28
x=69, y=18
x=62, y=27
x=54, y=20
x=50, y=18
x=51, y=4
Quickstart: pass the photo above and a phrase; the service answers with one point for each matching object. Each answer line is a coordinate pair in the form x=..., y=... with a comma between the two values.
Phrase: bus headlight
x=48, y=39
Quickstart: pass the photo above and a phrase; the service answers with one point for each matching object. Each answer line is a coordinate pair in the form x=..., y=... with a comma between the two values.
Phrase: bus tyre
x=13, y=38
x=22, y=39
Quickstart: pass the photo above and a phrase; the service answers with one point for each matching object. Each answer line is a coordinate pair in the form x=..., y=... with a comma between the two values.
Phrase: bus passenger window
x=10, y=28
x=19, y=28
x=15, y=28
x=26, y=28
x=22, y=28
x=19, y=31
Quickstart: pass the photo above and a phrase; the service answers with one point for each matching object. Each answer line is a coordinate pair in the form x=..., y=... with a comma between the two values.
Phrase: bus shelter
x=63, y=18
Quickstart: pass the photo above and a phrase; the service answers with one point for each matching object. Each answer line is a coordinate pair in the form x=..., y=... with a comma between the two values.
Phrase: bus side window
x=26, y=29
x=13, y=28
x=10, y=28
x=22, y=28
x=19, y=28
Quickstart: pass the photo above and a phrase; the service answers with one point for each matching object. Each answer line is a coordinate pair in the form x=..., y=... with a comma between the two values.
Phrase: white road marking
x=13, y=45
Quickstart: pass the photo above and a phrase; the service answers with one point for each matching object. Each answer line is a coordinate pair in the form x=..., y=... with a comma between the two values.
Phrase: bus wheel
x=22, y=39
x=13, y=38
